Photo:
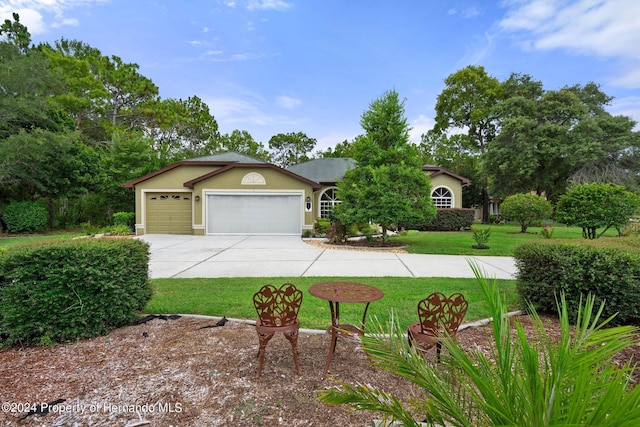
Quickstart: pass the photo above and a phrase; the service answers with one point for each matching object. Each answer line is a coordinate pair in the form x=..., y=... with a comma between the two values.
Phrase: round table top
x=345, y=292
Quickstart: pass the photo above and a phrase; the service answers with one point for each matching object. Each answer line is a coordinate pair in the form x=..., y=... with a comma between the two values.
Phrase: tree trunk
x=51, y=212
x=485, y=203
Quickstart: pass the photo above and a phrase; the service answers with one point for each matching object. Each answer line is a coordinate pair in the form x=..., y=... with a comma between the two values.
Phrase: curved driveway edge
x=185, y=256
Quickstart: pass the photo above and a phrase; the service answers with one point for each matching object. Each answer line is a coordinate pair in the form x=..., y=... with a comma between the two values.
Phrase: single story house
x=231, y=193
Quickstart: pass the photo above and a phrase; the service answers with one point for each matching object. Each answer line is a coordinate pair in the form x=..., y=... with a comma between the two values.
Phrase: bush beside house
x=68, y=290
x=450, y=219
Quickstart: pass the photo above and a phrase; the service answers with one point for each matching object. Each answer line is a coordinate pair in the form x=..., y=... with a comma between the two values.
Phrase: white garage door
x=254, y=214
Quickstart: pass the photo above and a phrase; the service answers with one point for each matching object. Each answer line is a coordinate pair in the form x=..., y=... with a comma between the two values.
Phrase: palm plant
x=569, y=381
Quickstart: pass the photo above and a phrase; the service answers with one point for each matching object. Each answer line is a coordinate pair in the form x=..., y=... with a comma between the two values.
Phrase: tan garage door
x=168, y=213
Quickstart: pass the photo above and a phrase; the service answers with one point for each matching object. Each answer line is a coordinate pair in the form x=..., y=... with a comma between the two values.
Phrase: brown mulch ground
x=172, y=372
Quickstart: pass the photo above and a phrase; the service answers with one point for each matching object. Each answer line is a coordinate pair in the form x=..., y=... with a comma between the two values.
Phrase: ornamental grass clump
x=570, y=380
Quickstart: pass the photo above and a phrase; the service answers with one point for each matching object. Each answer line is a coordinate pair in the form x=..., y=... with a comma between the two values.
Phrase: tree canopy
x=291, y=148
x=467, y=104
x=388, y=186
x=547, y=137
x=516, y=137
x=102, y=122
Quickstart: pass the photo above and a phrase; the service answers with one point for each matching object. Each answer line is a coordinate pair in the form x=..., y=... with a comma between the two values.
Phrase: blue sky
x=314, y=66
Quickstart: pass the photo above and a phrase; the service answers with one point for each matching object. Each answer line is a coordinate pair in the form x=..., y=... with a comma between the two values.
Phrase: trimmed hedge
x=451, y=219
x=24, y=217
x=71, y=289
x=609, y=269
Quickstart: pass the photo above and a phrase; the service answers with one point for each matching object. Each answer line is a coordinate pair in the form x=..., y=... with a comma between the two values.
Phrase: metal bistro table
x=337, y=292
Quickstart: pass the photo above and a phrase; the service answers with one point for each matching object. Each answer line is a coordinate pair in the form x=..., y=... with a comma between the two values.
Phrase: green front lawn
x=232, y=297
x=12, y=240
x=503, y=240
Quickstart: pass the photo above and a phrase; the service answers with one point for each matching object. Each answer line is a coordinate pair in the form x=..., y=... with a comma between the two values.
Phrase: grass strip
x=232, y=297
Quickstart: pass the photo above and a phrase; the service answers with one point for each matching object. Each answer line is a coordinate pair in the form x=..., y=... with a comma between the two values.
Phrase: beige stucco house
x=231, y=193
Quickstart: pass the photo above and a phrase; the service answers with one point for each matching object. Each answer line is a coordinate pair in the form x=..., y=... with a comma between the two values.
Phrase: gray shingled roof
x=230, y=156
x=330, y=169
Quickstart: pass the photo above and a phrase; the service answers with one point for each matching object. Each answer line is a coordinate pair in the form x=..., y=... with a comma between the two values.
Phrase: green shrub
x=454, y=219
x=125, y=218
x=526, y=209
x=24, y=217
x=118, y=230
x=495, y=219
x=610, y=271
x=597, y=205
x=89, y=229
x=322, y=226
x=71, y=289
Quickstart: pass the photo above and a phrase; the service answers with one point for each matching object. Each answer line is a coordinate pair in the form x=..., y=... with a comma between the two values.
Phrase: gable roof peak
x=227, y=156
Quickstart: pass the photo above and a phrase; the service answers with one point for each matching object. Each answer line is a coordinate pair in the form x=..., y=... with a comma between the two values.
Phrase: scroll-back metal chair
x=437, y=313
x=277, y=312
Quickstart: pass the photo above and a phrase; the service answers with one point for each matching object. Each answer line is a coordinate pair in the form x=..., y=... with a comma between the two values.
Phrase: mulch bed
x=182, y=372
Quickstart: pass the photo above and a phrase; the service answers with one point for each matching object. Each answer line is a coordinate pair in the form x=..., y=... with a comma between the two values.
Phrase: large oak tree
x=466, y=105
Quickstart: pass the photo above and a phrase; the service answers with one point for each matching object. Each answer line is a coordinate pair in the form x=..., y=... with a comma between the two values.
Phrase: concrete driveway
x=187, y=256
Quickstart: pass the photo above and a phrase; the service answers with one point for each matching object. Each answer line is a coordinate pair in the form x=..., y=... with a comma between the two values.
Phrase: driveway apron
x=186, y=256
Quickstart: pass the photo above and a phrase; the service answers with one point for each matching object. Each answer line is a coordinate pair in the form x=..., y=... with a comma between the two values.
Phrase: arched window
x=328, y=201
x=442, y=197
x=253, y=178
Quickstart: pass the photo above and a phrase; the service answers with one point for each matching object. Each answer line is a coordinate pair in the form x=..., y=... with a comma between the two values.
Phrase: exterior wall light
x=197, y=198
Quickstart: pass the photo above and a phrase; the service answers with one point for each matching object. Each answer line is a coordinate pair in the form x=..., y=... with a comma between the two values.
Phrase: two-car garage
x=223, y=194
x=235, y=213
x=254, y=213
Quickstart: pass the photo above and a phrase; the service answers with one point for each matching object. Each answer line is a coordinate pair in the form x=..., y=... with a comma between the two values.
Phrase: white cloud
x=31, y=18
x=332, y=139
x=217, y=56
x=419, y=126
x=470, y=12
x=213, y=53
x=288, y=102
x=245, y=111
x=268, y=4
x=38, y=15
x=66, y=22
x=627, y=106
x=478, y=50
x=601, y=28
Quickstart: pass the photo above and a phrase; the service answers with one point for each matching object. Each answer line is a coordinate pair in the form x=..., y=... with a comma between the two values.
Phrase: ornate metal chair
x=277, y=312
x=437, y=313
